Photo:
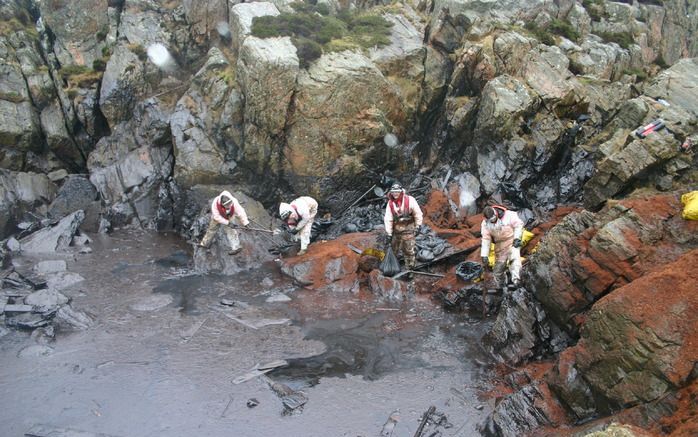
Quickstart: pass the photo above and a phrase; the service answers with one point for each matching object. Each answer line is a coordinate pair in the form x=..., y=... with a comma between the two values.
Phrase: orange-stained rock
x=392, y=289
x=638, y=343
x=329, y=265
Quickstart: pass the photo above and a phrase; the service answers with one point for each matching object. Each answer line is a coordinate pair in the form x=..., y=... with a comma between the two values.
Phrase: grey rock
x=54, y=238
x=77, y=26
x=267, y=71
x=57, y=175
x=63, y=280
x=77, y=319
x=28, y=320
x=44, y=300
x=44, y=267
x=278, y=297
x=198, y=127
x=13, y=245
x=77, y=192
x=81, y=240
x=517, y=414
x=122, y=85
x=58, y=139
x=19, y=193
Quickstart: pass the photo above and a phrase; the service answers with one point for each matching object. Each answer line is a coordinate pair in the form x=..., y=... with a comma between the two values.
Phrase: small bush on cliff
x=540, y=34
x=564, y=28
x=623, y=39
x=595, y=8
x=313, y=30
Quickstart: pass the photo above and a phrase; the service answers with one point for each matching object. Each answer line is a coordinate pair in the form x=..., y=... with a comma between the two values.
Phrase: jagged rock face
x=267, y=73
x=204, y=17
x=586, y=256
x=20, y=127
x=19, y=193
x=80, y=27
x=635, y=345
x=627, y=160
x=343, y=107
x=205, y=125
x=130, y=166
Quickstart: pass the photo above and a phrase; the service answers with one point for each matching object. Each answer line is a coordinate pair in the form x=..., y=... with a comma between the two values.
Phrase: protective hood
x=285, y=210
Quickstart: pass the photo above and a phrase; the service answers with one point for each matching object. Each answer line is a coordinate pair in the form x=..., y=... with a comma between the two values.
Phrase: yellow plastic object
x=374, y=252
x=526, y=237
x=690, y=202
x=491, y=258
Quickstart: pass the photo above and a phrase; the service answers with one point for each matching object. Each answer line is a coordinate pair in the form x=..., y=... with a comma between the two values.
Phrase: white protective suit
x=302, y=214
x=223, y=216
x=503, y=233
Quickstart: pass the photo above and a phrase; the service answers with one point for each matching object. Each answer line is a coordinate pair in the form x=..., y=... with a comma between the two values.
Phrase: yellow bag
x=690, y=202
x=374, y=252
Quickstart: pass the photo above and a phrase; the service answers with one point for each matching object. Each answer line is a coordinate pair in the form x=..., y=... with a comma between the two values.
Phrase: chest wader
x=403, y=238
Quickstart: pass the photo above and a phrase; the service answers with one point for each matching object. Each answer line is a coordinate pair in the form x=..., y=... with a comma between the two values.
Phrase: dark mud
x=162, y=355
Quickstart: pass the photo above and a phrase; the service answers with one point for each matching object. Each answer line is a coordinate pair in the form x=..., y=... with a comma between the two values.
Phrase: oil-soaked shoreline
x=162, y=354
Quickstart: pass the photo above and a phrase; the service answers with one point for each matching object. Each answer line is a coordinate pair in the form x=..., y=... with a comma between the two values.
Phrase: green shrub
x=312, y=30
x=623, y=39
x=564, y=28
x=541, y=35
x=661, y=62
x=639, y=73
x=139, y=51
x=106, y=52
x=99, y=65
x=308, y=50
x=595, y=8
x=102, y=34
x=74, y=70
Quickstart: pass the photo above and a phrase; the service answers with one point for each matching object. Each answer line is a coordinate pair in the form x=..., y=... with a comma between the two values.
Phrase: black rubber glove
x=485, y=262
x=390, y=239
x=517, y=242
x=293, y=231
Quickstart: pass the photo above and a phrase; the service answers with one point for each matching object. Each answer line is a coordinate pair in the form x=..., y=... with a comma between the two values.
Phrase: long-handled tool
x=250, y=228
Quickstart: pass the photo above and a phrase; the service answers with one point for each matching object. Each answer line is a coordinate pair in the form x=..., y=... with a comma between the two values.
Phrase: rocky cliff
x=137, y=111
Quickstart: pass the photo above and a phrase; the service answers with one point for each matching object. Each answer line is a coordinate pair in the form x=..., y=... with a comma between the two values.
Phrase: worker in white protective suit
x=224, y=209
x=299, y=216
x=504, y=228
x=402, y=219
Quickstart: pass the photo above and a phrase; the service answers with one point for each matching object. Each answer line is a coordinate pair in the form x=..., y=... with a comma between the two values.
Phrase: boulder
x=59, y=141
x=255, y=245
x=328, y=266
x=43, y=267
x=53, y=238
x=386, y=287
x=122, y=84
x=77, y=192
x=44, y=300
